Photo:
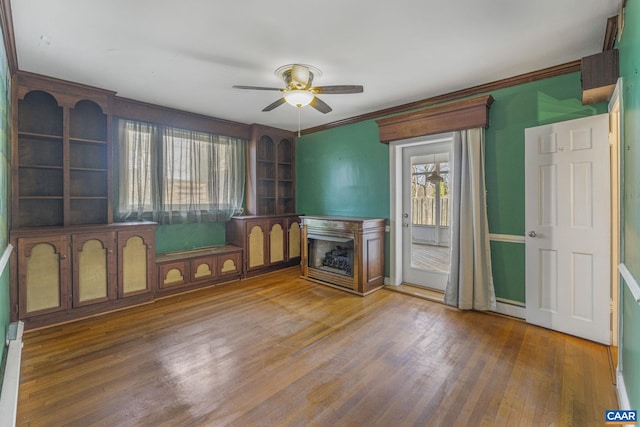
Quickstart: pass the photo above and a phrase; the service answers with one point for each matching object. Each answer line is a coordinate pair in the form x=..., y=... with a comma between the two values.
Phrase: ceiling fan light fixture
x=298, y=98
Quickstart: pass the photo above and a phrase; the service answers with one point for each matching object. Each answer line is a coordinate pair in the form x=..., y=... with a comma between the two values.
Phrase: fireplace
x=344, y=252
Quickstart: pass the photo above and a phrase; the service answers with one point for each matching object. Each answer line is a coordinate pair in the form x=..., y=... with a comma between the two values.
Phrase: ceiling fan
x=299, y=91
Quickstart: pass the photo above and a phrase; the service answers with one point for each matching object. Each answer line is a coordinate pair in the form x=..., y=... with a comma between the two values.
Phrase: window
x=176, y=175
x=430, y=192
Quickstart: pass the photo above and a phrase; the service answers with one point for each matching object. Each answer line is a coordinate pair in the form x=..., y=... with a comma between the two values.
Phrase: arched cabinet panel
x=93, y=268
x=256, y=243
x=43, y=278
x=136, y=262
x=276, y=242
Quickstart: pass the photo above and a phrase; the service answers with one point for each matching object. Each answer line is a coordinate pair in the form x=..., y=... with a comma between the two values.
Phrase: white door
x=425, y=215
x=567, y=222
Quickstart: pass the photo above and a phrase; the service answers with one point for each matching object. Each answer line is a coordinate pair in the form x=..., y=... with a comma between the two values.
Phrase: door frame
x=616, y=167
x=395, y=196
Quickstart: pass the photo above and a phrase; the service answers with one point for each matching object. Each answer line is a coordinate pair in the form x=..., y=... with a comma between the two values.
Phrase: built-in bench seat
x=179, y=271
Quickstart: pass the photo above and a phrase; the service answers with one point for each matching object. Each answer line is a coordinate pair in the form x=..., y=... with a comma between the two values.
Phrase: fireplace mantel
x=344, y=252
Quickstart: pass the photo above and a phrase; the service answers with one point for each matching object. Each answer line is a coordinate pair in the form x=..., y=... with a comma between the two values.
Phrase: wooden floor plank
x=278, y=350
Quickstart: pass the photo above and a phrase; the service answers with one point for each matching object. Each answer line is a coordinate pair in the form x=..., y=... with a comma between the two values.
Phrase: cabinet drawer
x=229, y=264
x=172, y=274
x=203, y=268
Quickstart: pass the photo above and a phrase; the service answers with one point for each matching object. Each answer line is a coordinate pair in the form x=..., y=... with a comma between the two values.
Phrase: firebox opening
x=331, y=254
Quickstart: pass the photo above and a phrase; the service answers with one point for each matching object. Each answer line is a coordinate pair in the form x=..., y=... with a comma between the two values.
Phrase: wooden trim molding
x=138, y=110
x=465, y=114
x=6, y=20
x=506, y=238
x=610, y=33
x=631, y=281
x=558, y=70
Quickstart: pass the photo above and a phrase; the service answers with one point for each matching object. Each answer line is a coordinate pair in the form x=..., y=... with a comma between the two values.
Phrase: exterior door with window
x=426, y=215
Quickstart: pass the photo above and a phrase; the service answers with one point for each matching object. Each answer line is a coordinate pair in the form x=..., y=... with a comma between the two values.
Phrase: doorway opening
x=420, y=211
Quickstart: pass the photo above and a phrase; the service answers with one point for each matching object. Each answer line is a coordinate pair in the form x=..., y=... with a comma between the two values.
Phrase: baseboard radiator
x=11, y=380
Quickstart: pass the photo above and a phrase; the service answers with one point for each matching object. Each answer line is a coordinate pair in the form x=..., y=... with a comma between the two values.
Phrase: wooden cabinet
x=60, y=274
x=271, y=171
x=178, y=271
x=61, y=154
x=269, y=242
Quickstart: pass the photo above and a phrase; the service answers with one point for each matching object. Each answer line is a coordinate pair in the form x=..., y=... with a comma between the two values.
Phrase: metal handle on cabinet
x=63, y=256
x=109, y=251
x=532, y=234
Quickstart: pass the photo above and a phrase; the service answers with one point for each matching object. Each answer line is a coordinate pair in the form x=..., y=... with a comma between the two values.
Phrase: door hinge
x=17, y=308
x=611, y=306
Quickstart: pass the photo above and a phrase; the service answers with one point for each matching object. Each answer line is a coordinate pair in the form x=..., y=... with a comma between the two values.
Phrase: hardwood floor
x=280, y=351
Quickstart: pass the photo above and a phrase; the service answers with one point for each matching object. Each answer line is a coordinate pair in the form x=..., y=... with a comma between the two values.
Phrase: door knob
x=405, y=215
x=532, y=234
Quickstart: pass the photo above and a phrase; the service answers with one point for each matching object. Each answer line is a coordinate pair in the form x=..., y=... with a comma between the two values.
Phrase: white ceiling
x=187, y=54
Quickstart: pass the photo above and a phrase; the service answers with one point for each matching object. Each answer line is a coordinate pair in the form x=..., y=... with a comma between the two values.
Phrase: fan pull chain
x=299, y=112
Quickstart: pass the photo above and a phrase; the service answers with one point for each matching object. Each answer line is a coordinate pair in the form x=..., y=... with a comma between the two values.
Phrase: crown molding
x=545, y=73
x=6, y=20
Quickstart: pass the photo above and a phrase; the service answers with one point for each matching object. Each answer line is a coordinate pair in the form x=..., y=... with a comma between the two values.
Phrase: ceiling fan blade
x=338, y=89
x=256, y=88
x=274, y=104
x=300, y=76
x=320, y=105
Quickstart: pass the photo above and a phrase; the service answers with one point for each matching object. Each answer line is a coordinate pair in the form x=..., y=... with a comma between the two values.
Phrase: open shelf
x=272, y=171
x=62, y=157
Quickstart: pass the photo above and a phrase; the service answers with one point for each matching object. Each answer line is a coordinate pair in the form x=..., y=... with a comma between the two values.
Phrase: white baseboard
x=511, y=308
x=623, y=397
x=11, y=382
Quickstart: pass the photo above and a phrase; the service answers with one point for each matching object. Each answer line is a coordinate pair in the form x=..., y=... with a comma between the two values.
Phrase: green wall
x=629, y=48
x=345, y=171
x=179, y=237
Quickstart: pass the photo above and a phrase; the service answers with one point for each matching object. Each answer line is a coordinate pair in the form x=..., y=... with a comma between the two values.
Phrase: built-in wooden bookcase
x=70, y=260
x=62, y=153
x=271, y=177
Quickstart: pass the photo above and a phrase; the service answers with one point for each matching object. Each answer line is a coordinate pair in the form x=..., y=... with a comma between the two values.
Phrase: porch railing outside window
x=430, y=199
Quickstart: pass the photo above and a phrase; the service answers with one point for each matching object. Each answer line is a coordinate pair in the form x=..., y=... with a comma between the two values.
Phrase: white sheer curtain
x=470, y=282
x=137, y=171
x=172, y=175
